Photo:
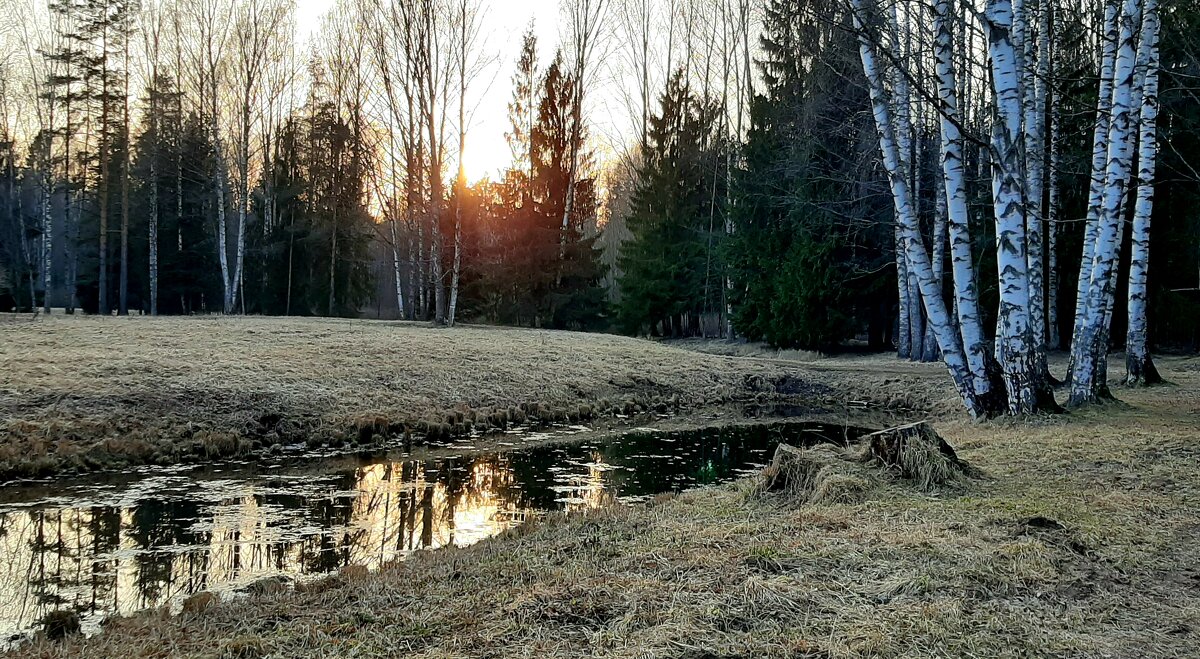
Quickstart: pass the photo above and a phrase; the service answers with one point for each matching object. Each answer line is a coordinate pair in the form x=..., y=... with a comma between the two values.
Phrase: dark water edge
x=152, y=537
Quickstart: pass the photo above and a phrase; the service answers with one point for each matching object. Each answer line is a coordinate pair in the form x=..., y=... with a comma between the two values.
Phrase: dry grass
x=84, y=393
x=1081, y=540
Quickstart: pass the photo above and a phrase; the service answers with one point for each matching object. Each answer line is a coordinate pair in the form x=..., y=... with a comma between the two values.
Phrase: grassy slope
x=718, y=573
x=93, y=392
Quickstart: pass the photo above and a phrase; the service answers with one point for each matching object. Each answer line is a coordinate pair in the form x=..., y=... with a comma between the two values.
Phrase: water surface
x=125, y=544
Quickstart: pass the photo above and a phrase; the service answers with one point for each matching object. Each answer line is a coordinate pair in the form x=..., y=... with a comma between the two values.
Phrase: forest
x=580, y=328
x=958, y=183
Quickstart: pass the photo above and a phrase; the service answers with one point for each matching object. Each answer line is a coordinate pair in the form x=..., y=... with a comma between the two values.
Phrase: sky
x=505, y=22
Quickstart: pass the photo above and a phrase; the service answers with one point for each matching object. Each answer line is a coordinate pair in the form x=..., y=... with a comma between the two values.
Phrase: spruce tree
x=664, y=263
x=811, y=242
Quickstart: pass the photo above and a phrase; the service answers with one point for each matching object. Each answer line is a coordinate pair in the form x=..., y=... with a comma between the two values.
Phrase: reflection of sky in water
x=100, y=548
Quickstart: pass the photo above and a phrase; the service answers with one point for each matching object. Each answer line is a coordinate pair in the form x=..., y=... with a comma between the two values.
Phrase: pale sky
x=505, y=22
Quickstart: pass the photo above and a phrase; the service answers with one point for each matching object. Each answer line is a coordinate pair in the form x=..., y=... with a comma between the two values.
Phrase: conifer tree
x=663, y=263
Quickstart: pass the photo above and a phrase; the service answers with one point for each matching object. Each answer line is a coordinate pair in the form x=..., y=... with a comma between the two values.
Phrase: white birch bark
x=1036, y=70
x=1053, y=339
x=966, y=297
x=903, y=324
x=1138, y=362
x=930, y=350
x=1099, y=158
x=395, y=267
x=916, y=255
x=1015, y=349
x=1090, y=352
x=227, y=285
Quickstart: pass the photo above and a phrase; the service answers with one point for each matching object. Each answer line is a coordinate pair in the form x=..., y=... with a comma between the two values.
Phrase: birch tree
x=258, y=35
x=966, y=300
x=1100, y=137
x=153, y=26
x=208, y=55
x=1090, y=351
x=44, y=73
x=468, y=65
x=584, y=22
x=1021, y=387
x=1014, y=338
x=432, y=70
x=917, y=257
x=1138, y=362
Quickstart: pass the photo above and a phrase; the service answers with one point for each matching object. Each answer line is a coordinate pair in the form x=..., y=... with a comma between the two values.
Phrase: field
x=1080, y=538
x=79, y=394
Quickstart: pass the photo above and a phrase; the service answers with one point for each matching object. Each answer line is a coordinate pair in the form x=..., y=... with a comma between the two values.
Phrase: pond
x=128, y=543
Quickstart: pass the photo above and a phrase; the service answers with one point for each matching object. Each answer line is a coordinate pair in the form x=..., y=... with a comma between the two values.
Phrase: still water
x=122, y=545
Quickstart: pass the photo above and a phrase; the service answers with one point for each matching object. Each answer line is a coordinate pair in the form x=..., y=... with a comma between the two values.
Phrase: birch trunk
x=1014, y=339
x=1099, y=154
x=1090, y=352
x=47, y=225
x=153, y=231
x=939, y=262
x=1053, y=339
x=1035, y=71
x=904, y=324
x=906, y=219
x=243, y=210
x=123, y=287
x=461, y=181
x=966, y=299
x=227, y=288
x=396, y=268
x=1138, y=362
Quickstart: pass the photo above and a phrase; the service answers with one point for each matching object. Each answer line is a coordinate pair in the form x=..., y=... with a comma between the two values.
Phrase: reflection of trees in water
x=166, y=523
x=112, y=559
x=58, y=559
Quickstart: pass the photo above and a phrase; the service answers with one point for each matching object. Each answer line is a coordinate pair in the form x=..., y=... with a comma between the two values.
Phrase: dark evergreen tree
x=313, y=258
x=95, y=39
x=532, y=270
x=812, y=239
x=178, y=151
x=564, y=265
x=668, y=278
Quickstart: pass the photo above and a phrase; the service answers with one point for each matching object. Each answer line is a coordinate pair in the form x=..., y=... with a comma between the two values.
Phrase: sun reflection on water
x=100, y=549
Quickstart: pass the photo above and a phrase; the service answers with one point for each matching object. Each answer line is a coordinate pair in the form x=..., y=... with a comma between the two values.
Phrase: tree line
x=971, y=181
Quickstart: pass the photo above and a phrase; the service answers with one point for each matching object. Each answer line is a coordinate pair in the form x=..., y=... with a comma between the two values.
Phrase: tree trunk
x=903, y=323
x=1100, y=137
x=103, y=193
x=123, y=302
x=939, y=262
x=153, y=237
x=227, y=284
x=1090, y=354
x=47, y=220
x=916, y=256
x=1035, y=70
x=962, y=259
x=1015, y=349
x=1053, y=338
x=1138, y=362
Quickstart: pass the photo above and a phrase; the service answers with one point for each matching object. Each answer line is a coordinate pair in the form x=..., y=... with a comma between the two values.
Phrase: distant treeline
x=175, y=159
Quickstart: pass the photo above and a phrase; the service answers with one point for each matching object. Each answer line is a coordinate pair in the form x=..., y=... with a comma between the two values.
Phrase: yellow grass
x=84, y=393
x=1081, y=539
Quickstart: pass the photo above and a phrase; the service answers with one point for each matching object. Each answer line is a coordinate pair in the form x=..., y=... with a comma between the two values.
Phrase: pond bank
x=1079, y=540
x=84, y=394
